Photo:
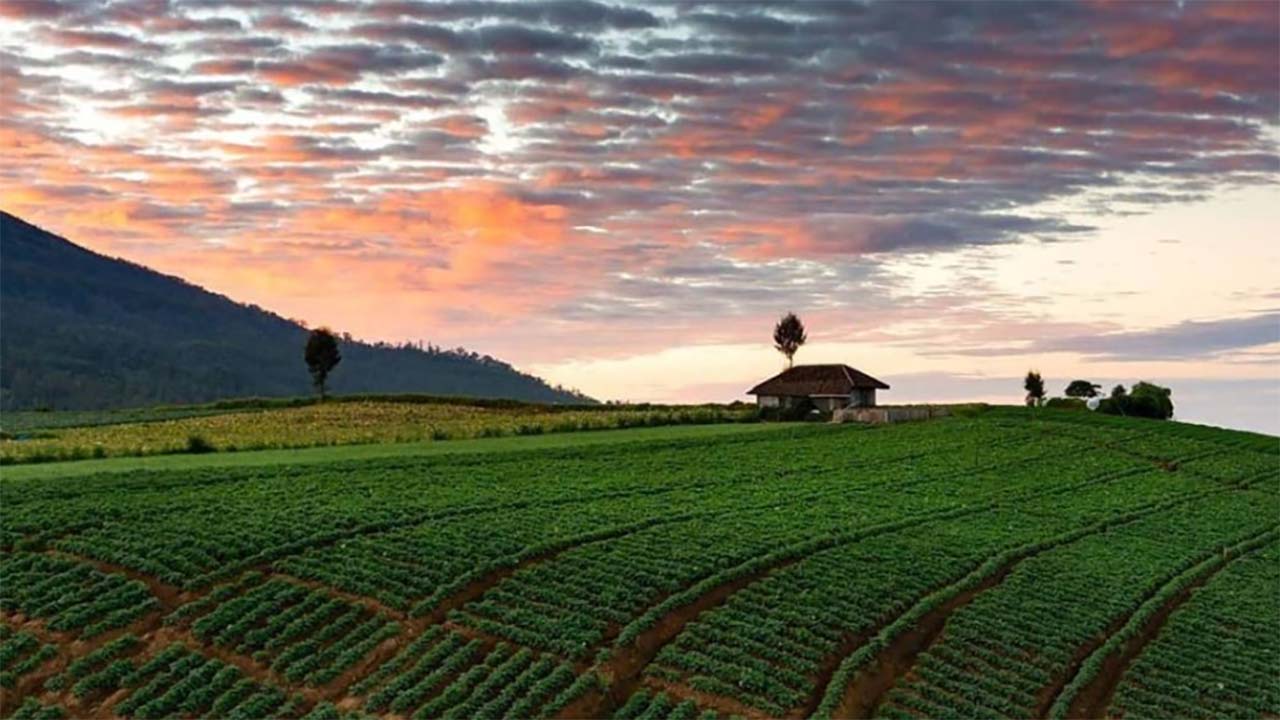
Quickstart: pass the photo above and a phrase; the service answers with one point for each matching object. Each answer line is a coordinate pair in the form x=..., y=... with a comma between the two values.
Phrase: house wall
x=859, y=398
x=890, y=414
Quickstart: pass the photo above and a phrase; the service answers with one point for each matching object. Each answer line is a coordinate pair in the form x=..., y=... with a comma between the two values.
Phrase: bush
x=196, y=444
x=1067, y=403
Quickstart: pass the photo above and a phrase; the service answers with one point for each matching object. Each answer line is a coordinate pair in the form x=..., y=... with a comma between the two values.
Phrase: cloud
x=605, y=162
x=1186, y=340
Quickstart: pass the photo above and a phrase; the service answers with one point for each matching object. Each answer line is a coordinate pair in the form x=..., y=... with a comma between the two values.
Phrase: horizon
x=623, y=198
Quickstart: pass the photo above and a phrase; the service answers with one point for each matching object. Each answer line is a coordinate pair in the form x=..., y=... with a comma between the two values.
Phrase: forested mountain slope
x=81, y=330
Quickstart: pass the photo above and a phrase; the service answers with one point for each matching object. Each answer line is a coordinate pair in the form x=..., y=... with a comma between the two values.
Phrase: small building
x=830, y=387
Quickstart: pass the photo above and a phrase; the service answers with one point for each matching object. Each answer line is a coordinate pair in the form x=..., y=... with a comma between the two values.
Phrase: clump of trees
x=322, y=356
x=1143, y=400
x=788, y=336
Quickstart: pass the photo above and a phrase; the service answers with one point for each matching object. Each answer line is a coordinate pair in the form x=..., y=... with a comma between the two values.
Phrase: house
x=830, y=387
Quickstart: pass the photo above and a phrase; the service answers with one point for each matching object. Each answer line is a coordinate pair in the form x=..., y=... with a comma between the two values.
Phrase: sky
x=623, y=198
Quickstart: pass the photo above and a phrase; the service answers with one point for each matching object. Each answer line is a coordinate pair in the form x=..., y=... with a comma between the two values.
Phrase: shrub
x=1067, y=403
x=196, y=444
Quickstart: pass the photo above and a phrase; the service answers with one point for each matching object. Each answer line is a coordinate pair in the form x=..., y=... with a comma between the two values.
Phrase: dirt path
x=871, y=683
x=1094, y=699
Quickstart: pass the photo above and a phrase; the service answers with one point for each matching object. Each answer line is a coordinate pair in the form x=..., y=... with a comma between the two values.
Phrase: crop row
x=644, y=706
x=305, y=635
x=33, y=709
x=70, y=595
x=20, y=654
x=1009, y=651
x=160, y=524
x=174, y=682
x=1146, y=617
x=96, y=671
x=1217, y=655
x=427, y=562
x=1160, y=431
x=443, y=674
x=767, y=642
x=567, y=605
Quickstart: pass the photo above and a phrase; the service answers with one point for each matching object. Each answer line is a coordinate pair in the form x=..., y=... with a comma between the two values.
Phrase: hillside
x=81, y=330
x=1004, y=564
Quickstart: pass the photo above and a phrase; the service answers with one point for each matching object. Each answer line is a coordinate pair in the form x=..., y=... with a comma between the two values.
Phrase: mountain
x=79, y=330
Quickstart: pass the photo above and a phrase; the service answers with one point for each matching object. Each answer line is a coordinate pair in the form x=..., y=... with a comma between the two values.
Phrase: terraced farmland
x=998, y=565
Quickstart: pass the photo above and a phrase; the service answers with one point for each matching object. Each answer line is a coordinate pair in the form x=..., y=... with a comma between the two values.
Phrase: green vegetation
x=1217, y=656
x=682, y=573
x=284, y=424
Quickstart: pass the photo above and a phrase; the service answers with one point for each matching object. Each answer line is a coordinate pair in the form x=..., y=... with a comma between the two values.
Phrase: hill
x=1004, y=564
x=80, y=330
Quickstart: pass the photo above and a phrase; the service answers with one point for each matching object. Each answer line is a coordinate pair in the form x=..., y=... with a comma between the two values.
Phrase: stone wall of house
x=877, y=415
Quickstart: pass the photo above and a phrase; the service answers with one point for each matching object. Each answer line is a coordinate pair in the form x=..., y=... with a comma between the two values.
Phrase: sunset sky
x=624, y=198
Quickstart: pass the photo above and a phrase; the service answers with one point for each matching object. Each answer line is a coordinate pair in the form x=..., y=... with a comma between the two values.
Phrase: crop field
x=1002, y=564
x=54, y=436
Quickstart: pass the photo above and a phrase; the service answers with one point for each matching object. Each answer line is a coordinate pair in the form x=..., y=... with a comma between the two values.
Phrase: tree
x=1082, y=389
x=1150, y=400
x=322, y=356
x=788, y=336
x=1034, y=385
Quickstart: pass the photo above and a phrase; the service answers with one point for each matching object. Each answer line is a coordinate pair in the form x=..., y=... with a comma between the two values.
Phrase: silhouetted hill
x=81, y=330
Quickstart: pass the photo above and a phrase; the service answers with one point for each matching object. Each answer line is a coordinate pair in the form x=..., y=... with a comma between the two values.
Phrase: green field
x=1002, y=564
x=302, y=423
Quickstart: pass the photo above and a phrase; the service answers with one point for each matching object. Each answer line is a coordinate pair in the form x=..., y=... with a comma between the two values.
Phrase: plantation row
x=568, y=603
x=174, y=682
x=643, y=706
x=158, y=523
x=428, y=562
x=1012, y=649
x=20, y=653
x=1217, y=656
x=160, y=526
x=303, y=635
x=443, y=674
x=70, y=595
x=765, y=644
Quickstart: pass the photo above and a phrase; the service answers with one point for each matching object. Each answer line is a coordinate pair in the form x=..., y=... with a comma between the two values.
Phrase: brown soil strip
x=622, y=672
x=705, y=701
x=1095, y=698
x=1049, y=693
x=871, y=684
x=170, y=596
x=372, y=604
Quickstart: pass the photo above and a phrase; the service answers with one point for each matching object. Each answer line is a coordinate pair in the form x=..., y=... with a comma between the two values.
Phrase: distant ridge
x=79, y=330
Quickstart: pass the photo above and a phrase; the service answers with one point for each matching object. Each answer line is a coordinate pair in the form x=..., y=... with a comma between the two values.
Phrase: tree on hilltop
x=1034, y=385
x=788, y=336
x=1082, y=389
x=322, y=356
